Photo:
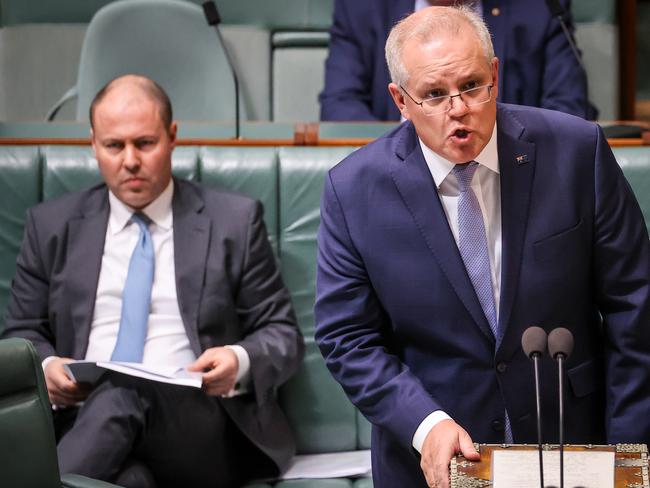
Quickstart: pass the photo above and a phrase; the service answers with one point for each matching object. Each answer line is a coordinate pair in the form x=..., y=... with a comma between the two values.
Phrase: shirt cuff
x=47, y=361
x=429, y=422
x=243, y=378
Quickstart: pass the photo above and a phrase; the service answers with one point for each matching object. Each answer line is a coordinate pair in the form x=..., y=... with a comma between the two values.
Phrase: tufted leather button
x=502, y=367
x=497, y=425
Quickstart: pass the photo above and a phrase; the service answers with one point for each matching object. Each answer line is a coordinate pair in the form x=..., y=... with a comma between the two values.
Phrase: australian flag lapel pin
x=522, y=159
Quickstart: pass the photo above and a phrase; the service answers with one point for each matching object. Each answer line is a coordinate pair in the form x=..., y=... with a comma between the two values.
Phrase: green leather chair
x=27, y=446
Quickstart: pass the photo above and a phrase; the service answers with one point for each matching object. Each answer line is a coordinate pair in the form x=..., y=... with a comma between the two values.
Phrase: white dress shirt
x=486, y=184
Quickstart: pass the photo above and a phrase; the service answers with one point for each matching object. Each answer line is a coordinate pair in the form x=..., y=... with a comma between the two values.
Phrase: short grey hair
x=426, y=26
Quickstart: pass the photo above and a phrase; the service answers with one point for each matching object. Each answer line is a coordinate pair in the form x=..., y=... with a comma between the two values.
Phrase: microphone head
x=557, y=10
x=533, y=341
x=560, y=341
x=211, y=13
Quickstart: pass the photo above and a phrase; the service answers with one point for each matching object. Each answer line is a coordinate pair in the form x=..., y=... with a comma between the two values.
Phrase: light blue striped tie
x=136, y=297
x=473, y=246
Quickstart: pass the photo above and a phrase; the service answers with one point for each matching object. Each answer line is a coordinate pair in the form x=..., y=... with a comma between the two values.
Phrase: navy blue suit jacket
x=401, y=328
x=536, y=67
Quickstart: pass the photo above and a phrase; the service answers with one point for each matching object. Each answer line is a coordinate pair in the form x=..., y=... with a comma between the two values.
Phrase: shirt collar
x=441, y=167
x=159, y=211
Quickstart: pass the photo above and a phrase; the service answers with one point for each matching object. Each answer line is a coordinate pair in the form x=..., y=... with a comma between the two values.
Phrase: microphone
x=213, y=18
x=560, y=347
x=533, y=342
x=557, y=11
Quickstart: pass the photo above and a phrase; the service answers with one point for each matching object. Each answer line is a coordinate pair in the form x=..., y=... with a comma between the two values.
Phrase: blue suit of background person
x=401, y=328
x=536, y=65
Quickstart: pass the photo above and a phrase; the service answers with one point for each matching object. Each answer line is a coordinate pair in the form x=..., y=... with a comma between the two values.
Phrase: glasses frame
x=451, y=99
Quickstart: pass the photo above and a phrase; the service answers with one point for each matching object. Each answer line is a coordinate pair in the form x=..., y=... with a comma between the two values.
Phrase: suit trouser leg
x=180, y=433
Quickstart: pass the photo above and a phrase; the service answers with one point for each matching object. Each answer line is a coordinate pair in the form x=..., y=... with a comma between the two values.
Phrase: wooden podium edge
x=630, y=470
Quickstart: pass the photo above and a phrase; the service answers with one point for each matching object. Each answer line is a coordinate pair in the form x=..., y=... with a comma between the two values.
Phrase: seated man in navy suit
x=536, y=65
x=443, y=240
x=215, y=303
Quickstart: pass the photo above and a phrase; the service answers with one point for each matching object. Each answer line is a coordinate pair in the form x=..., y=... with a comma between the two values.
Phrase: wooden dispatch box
x=630, y=471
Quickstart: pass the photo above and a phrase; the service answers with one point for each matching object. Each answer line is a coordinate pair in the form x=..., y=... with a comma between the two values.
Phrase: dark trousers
x=183, y=436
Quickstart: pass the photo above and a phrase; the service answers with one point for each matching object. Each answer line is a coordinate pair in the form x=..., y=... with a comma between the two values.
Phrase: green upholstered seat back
x=19, y=190
x=27, y=445
x=635, y=163
x=322, y=417
x=166, y=40
x=252, y=171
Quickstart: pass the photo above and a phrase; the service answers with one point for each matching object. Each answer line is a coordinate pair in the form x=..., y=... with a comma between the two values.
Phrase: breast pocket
x=550, y=248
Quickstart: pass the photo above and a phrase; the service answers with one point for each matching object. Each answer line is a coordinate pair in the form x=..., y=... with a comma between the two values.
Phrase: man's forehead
x=124, y=107
x=462, y=55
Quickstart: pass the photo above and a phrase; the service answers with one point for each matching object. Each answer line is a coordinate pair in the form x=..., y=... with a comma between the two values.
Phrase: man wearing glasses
x=442, y=241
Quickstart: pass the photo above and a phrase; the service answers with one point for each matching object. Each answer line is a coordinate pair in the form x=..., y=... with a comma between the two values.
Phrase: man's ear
x=495, y=77
x=173, y=130
x=398, y=97
x=92, y=141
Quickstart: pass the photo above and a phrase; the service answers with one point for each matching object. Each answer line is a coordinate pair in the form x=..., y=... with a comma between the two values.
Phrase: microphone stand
x=560, y=363
x=213, y=18
x=536, y=357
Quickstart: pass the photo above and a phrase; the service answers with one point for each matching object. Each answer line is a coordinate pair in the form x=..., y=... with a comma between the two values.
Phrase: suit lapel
x=86, y=235
x=417, y=188
x=517, y=169
x=191, y=239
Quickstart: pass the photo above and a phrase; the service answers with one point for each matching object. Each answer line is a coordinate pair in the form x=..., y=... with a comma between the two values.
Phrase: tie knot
x=464, y=174
x=142, y=220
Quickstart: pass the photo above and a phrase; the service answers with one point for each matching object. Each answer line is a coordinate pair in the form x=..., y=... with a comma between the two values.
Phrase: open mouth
x=461, y=133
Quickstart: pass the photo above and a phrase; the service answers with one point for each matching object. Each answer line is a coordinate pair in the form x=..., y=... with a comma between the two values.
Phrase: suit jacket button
x=497, y=425
x=502, y=367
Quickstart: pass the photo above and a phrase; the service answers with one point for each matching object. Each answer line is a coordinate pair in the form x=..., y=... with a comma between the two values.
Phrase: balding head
x=135, y=86
x=431, y=24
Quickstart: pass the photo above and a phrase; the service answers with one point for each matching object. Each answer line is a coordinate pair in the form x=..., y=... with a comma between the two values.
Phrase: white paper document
x=583, y=469
x=91, y=371
x=331, y=465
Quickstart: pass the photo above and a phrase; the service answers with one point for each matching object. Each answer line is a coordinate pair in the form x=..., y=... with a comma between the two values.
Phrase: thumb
x=467, y=447
x=201, y=364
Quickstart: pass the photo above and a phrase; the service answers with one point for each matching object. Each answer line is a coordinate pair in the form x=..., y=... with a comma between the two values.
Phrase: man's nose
x=131, y=158
x=458, y=105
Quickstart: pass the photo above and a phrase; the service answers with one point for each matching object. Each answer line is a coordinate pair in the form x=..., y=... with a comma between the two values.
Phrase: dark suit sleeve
x=622, y=263
x=272, y=339
x=563, y=83
x=348, y=75
x=27, y=313
x=353, y=333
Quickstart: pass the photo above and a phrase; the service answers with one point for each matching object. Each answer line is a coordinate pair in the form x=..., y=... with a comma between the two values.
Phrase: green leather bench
x=288, y=180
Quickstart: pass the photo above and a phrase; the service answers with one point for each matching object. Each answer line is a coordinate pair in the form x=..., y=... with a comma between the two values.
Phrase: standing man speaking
x=442, y=241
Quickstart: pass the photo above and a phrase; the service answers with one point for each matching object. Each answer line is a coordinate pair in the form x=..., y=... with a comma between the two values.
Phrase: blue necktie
x=472, y=242
x=473, y=246
x=136, y=297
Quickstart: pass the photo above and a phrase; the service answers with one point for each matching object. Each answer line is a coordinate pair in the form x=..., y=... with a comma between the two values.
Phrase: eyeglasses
x=443, y=104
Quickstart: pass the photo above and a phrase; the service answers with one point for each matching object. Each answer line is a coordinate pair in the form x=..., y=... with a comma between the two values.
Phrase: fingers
x=221, y=366
x=204, y=362
x=60, y=388
x=467, y=448
x=440, y=445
